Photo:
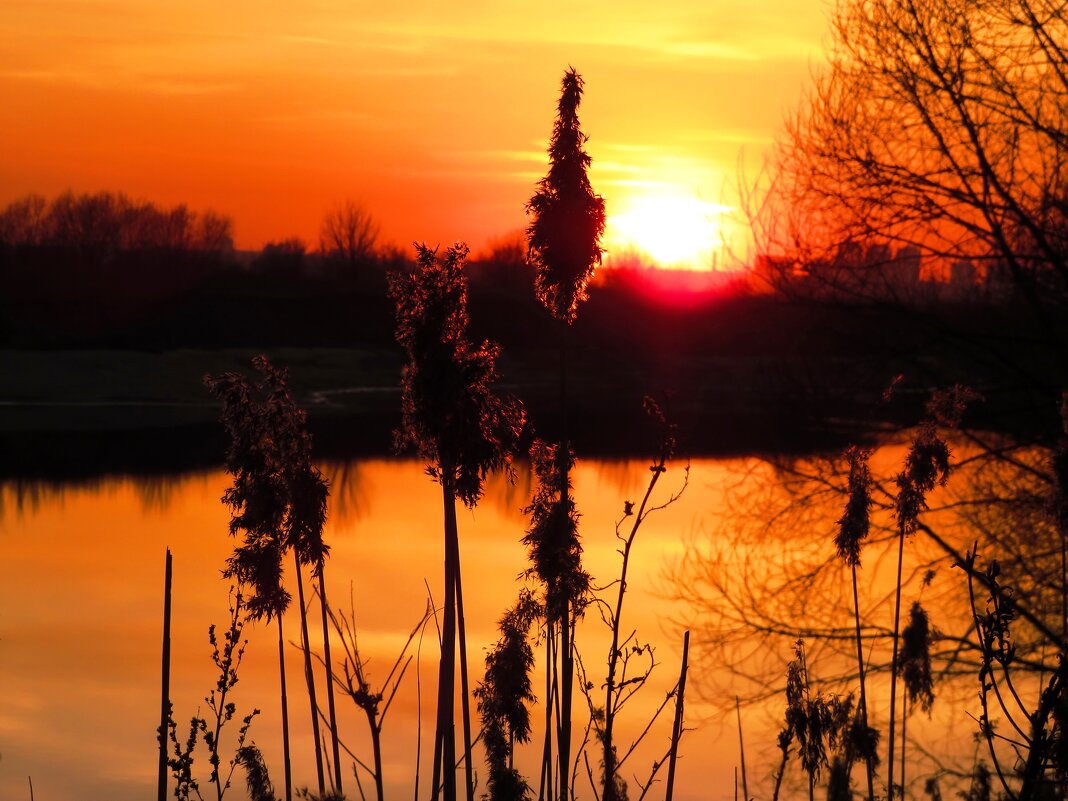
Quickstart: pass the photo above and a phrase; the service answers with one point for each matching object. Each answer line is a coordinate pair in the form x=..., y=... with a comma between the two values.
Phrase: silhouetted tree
x=106, y=223
x=564, y=246
x=464, y=430
x=349, y=235
x=283, y=259
x=24, y=221
x=939, y=125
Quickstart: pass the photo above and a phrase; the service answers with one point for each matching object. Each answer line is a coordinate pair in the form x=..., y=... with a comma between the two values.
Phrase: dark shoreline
x=740, y=375
x=616, y=430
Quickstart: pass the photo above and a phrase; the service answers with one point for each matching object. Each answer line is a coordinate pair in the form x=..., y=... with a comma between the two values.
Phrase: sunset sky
x=435, y=116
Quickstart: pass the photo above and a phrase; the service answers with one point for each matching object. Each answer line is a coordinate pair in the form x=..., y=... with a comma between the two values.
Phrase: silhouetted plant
x=806, y=718
x=555, y=554
x=926, y=465
x=564, y=246
x=820, y=727
x=853, y=529
x=504, y=696
x=552, y=540
x=916, y=658
x=1038, y=739
x=227, y=656
x=565, y=234
x=463, y=430
x=915, y=671
x=354, y=682
x=278, y=498
x=979, y=788
x=257, y=778
x=620, y=687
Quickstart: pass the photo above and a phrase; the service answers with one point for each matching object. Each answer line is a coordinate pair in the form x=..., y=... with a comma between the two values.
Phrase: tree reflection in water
x=766, y=573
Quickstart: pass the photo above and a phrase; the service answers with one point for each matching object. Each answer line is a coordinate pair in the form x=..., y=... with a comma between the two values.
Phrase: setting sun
x=674, y=230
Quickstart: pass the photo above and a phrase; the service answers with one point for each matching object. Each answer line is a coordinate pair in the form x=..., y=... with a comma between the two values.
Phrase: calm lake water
x=81, y=594
x=81, y=589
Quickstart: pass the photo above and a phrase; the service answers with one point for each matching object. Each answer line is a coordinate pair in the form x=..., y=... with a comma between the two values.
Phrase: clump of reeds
x=916, y=658
x=552, y=540
x=278, y=500
x=827, y=731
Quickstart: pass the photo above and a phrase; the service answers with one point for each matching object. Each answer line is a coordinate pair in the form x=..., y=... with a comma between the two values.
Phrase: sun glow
x=674, y=230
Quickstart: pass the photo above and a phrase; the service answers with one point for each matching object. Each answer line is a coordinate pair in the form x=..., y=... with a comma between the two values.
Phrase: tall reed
x=464, y=430
x=564, y=246
x=926, y=466
x=278, y=499
x=853, y=529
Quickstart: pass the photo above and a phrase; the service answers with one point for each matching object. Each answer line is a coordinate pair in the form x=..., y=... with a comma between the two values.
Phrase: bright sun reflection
x=675, y=230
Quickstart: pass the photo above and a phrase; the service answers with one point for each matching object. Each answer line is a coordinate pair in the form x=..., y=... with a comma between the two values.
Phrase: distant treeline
x=80, y=267
x=103, y=270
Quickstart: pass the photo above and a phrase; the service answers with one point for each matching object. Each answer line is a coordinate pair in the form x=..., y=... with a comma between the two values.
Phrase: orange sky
x=434, y=115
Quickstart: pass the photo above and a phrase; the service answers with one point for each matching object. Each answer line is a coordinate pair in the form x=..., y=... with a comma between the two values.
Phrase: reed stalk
x=165, y=692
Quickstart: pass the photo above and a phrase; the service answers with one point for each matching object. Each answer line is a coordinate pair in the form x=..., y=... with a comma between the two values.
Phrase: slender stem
x=445, y=745
x=545, y=785
x=309, y=675
x=894, y=670
x=329, y=680
x=904, y=744
x=375, y=727
x=567, y=664
x=862, y=708
x=741, y=739
x=676, y=729
x=465, y=693
x=567, y=659
x=165, y=693
x=419, y=697
x=285, y=712
x=780, y=773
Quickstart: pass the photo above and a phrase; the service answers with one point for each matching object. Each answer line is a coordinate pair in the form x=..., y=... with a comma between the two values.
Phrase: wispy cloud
x=102, y=79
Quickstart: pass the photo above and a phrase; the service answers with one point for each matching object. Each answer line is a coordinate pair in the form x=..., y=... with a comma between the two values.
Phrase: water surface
x=81, y=589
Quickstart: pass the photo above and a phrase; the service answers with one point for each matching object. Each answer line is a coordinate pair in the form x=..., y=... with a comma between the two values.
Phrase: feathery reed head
x=568, y=217
x=451, y=414
x=855, y=523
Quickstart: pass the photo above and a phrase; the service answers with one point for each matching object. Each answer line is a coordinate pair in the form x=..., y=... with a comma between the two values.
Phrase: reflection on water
x=81, y=573
x=771, y=576
x=745, y=559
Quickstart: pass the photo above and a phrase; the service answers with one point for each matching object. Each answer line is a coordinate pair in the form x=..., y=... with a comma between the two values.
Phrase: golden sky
x=435, y=116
